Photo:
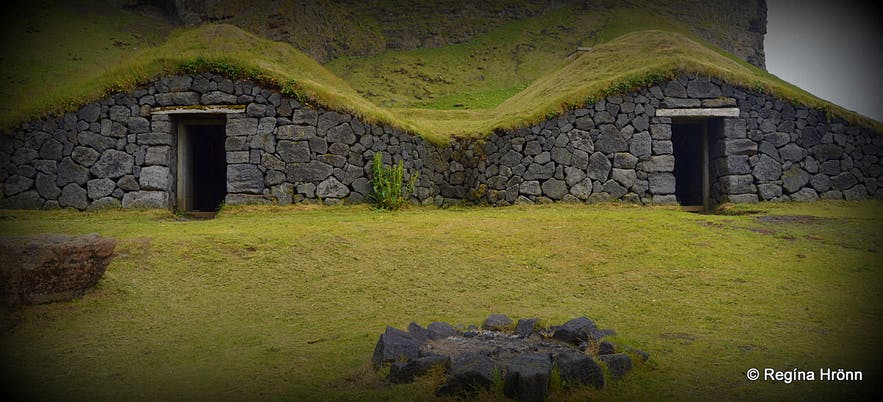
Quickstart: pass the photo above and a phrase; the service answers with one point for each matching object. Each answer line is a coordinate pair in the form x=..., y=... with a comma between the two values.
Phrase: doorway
x=202, y=165
x=690, y=145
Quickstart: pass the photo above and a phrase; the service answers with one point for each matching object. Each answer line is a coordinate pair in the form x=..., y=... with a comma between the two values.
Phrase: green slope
x=534, y=92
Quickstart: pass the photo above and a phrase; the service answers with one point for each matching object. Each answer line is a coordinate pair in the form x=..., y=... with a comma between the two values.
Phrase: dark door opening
x=689, y=143
x=202, y=174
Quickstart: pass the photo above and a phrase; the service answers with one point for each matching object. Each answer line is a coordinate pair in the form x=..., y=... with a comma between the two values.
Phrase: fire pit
x=523, y=355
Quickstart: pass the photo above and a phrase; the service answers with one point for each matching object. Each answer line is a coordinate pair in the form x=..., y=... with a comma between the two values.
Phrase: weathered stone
x=246, y=199
x=554, y=189
x=610, y=141
x=158, y=155
x=470, y=373
x=113, y=164
x=530, y=187
x=599, y=167
x=542, y=172
x=313, y=171
x=660, y=131
x=242, y=127
x=527, y=377
x=332, y=188
x=769, y=191
x=294, y=151
x=576, y=330
x=856, y=193
x=49, y=268
x=405, y=372
x=810, y=137
x=767, y=169
x=624, y=160
x=805, y=194
x=794, y=179
x=89, y=113
x=155, y=138
x=661, y=183
x=146, y=200
x=737, y=184
x=104, y=203
x=217, y=98
x=821, y=183
x=579, y=369
x=792, y=152
x=497, y=322
x=824, y=152
x=740, y=146
x=739, y=198
x=244, y=178
x=393, y=345
x=640, y=145
x=51, y=149
x=155, y=178
x=342, y=133
x=526, y=326
x=678, y=103
x=128, y=183
x=511, y=158
x=138, y=125
x=626, y=177
x=26, y=200
x=16, y=184
x=843, y=181
x=778, y=138
x=46, y=186
x=73, y=196
x=617, y=364
x=543, y=158
x=561, y=156
x=440, y=330
x=100, y=188
x=660, y=163
x=96, y=141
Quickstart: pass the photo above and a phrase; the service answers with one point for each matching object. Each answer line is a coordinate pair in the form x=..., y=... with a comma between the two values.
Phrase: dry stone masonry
x=123, y=151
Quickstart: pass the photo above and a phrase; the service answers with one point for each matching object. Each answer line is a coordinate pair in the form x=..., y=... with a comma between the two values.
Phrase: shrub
x=390, y=191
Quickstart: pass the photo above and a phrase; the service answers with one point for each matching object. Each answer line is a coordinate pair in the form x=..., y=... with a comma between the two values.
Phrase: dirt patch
x=798, y=219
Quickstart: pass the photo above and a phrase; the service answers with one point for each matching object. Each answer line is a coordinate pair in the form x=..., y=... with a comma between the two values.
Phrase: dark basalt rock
x=440, y=330
x=470, y=373
x=497, y=322
x=404, y=372
x=475, y=359
x=576, y=331
x=579, y=369
x=617, y=364
x=527, y=377
x=395, y=344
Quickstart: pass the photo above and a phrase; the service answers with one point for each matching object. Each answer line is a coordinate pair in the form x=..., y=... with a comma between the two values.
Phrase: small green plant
x=390, y=190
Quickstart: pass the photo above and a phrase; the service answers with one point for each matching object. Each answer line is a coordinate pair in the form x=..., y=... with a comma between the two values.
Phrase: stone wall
x=123, y=151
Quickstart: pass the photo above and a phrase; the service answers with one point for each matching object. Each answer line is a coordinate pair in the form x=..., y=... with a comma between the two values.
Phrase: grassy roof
x=622, y=64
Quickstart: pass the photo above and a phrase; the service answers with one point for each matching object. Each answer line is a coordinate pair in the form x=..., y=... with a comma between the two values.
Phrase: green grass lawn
x=287, y=303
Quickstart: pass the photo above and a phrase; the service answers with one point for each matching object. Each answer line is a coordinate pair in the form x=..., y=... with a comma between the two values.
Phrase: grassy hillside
x=287, y=303
x=49, y=46
x=515, y=90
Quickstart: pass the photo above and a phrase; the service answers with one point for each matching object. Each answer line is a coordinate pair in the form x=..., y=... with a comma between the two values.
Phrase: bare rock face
x=48, y=268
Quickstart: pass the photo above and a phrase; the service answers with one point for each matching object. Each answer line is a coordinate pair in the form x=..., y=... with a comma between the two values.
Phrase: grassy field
x=287, y=303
